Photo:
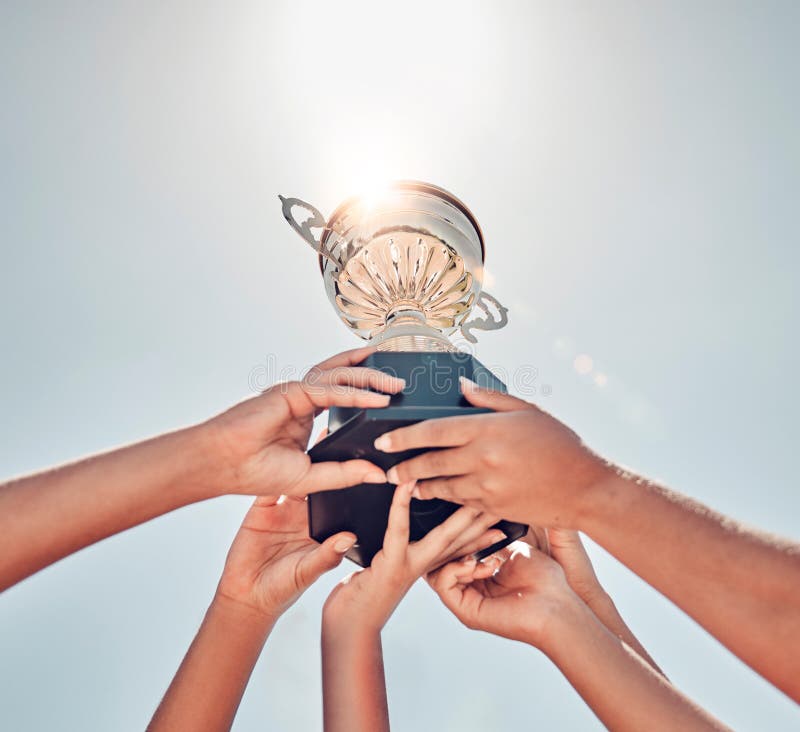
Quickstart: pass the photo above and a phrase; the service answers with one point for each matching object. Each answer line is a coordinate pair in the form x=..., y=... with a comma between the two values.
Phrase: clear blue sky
x=635, y=170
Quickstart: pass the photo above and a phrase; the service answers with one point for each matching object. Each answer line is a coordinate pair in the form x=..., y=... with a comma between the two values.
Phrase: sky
x=634, y=167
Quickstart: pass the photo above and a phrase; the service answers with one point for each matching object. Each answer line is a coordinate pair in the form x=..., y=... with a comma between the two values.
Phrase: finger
x=487, y=568
x=332, y=475
x=322, y=558
x=462, y=489
x=346, y=358
x=567, y=549
x=491, y=399
x=447, y=575
x=323, y=396
x=321, y=436
x=445, y=432
x=456, y=461
x=361, y=377
x=482, y=524
x=395, y=540
x=483, y=541
x=435, y=543
x=463, y=602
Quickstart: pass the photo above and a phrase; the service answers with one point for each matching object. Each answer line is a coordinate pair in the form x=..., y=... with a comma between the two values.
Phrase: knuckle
x=489, y=457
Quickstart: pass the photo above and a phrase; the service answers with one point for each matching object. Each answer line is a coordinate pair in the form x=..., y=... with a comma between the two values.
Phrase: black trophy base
x=432, y=391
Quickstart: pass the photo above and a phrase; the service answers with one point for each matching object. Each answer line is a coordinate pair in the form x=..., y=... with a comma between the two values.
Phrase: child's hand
x=367, y=598
x=262, y=442
x=518, y=601
x=273, y=561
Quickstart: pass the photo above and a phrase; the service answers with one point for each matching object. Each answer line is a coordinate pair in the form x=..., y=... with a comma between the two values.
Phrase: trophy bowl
x=407, y=265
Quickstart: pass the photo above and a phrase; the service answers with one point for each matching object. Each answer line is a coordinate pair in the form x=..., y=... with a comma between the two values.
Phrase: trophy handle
x=495, y=317
x=315, y=221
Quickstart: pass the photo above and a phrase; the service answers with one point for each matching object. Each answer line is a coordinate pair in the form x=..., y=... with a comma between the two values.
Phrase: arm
x=257, y=447
x=209, y=684
x=567, y=549
x=354, y=690
x=622, y=689
x=742, y=586
x=353, y=680
x=529, y=599
x=271, y=562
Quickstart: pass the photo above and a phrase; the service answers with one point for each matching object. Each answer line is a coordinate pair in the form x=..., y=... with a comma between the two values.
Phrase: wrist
x=559, y=623
x=195, y=473
x=606, y=499
x=350, y=626
x=240, y=614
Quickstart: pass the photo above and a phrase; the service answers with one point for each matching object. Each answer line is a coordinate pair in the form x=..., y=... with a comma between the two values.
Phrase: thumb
x=566, y=545
x=567, y=549
x=497, y=401
x=323, y=558
x=331, y=475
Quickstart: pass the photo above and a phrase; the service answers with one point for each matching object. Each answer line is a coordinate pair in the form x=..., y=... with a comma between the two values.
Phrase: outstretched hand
x=272, y=560
x=519, y=463
x=371, y=595
x=263, y=440
x=514, y=594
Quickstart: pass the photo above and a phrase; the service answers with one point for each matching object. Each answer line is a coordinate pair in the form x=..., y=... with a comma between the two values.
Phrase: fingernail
x=497, y=535
x=391, y=476
x=467, y=384
x=375, y=476
x=343, y=545
x=383, y=442
x=400, y=381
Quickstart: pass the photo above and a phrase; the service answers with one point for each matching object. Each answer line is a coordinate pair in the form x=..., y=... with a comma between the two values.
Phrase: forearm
x=606, y=611
x=353, y=682
x=741, y=586
x=49, y=515
x=620, y=687
x=207, y=689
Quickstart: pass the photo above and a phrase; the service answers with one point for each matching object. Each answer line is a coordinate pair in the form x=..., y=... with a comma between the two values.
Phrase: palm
x=517, y=593
x=261, y=569
x=266, y=438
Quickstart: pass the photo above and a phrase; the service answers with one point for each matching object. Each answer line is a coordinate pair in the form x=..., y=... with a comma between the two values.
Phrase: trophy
x=404, y=271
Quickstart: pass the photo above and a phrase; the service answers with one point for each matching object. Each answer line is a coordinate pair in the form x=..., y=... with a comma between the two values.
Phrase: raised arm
x=271, y=562
x=742, y=586
x=529, y=599
x=257, y=447
x=566, y=548
x=354, y=689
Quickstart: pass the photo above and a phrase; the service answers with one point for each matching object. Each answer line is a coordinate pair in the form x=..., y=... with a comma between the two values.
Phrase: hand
x=263, y=440
x=272, y=560
x=520, y=463
x=368, y=598
x=520, y=600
